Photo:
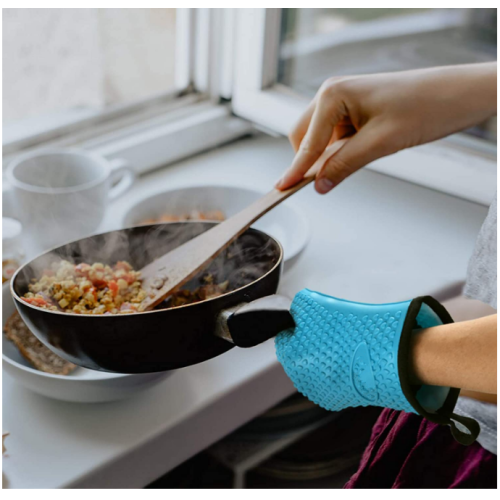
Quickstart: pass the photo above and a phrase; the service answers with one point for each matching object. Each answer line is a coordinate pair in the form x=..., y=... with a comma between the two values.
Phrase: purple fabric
x=407, y=451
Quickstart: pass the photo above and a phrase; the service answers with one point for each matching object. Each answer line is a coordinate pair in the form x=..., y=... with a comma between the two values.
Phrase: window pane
x=319, y=43
x=56, y=61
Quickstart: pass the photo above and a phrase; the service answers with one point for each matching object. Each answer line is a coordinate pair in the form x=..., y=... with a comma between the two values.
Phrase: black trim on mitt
x=444, y=415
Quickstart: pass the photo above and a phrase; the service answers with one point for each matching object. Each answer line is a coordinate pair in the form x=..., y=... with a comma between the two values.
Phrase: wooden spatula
x=168, y=273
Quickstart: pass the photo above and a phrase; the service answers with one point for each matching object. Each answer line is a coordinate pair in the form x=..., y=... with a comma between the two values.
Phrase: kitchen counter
x=374, y=239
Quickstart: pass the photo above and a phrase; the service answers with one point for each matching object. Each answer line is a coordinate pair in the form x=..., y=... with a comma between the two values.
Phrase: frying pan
x=163, y=339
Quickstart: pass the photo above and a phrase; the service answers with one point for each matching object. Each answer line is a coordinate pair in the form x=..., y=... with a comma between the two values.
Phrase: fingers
x=326, y=114
x=343, y=129
x=364, y=147
x=325, y=156
x=299, y=130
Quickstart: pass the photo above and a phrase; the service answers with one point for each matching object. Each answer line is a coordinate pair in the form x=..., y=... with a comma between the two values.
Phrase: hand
x=405, y=355
x=385, y=113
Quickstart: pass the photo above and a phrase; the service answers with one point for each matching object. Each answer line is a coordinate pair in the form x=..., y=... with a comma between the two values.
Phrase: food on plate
x=193, y=215
x=87, y=289
x=33, y=350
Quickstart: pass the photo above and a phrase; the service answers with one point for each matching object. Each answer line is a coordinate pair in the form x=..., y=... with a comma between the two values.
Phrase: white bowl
x=286, y=223
x=82, y=385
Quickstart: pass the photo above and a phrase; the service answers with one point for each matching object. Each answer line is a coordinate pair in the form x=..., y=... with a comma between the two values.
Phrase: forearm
x=461, y=95
x=462, y=355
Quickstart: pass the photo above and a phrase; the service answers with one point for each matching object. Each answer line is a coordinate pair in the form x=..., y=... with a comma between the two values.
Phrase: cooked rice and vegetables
x=87, y=289
x=102, y=289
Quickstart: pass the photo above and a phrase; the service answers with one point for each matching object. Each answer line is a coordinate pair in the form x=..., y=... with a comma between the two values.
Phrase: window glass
x=58, y=61
x=319, y=43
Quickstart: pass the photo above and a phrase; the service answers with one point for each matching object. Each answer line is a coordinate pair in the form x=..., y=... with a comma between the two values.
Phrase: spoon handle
x=168, y=273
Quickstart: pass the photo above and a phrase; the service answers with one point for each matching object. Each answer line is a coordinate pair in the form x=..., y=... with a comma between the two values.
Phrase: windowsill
x=159, y=132
x=36, y=126
x=88, y=121
x=447, y=165
x=375, y=239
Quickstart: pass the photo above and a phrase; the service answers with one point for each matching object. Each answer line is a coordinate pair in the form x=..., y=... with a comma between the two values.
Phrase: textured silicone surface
x=344, y=354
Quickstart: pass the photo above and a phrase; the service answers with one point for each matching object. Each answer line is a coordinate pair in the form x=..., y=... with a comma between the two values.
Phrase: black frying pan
x=163, y=339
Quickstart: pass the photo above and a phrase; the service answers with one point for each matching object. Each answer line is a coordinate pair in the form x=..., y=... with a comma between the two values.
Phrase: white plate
x=286, y=222
x=81, y=385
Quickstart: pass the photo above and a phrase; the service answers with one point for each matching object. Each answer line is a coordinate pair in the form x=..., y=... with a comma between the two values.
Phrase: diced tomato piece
x=36, y=301
x=113, y=286
x=93, y=291
x=129, y=278
x=123, y=265
x=99, y=283
x=98, y=279
x=82, y=269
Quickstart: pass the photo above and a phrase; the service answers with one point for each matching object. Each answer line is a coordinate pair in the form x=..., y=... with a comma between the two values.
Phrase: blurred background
x=95, y=58
x=318, y=43
x=84, y=57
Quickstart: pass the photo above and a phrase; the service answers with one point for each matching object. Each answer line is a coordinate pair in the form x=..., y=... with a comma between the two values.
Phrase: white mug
x=61, y=195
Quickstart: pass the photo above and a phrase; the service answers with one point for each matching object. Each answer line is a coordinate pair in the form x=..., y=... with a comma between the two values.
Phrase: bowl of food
x=286, y=222
x=82, y=299
x=36, y=367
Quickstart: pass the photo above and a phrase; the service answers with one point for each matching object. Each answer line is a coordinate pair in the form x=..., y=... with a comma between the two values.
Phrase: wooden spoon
x=168, y=273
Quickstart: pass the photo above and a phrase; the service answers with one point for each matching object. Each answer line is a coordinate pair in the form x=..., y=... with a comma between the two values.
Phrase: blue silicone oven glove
x=344, y=354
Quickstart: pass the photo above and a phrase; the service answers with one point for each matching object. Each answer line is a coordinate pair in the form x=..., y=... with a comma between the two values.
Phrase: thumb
x=365, y=146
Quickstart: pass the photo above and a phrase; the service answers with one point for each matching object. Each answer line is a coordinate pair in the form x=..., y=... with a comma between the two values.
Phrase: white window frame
x=159, y=130
x=446, y=165
x=232, y=54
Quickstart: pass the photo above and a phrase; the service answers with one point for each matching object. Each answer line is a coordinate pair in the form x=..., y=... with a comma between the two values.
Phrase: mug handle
x=120, y=169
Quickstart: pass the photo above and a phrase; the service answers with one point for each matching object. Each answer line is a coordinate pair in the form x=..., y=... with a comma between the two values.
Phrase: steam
x=246, y=260
x=75, y=203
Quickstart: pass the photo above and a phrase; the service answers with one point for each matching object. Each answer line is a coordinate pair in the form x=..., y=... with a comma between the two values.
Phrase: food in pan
x=33, y=350
x=87, y=289
x=208, y=290
x=93, y=288
x=193, y=215
x=101, y=289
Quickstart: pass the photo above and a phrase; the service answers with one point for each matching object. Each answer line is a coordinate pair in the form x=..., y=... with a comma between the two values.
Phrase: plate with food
x=38, y=368
x=287, y=222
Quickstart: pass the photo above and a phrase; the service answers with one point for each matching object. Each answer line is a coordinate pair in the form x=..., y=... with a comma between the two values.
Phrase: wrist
x=461, y=355
x=424, y=357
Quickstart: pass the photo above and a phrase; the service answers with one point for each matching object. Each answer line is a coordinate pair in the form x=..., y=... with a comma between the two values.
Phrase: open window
x=152, y=86
x=127, y=83
x=294, y=50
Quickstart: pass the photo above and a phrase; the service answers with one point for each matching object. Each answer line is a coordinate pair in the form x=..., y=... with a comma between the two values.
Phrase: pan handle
x=248, y=325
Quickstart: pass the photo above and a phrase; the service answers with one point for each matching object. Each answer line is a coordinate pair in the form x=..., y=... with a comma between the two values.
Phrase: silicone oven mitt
x=343, y=354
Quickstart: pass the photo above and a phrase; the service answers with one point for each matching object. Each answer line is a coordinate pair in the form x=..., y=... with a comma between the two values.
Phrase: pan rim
x=18, y=299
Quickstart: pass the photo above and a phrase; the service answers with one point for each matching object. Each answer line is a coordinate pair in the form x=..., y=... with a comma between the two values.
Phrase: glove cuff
x=419, y=314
